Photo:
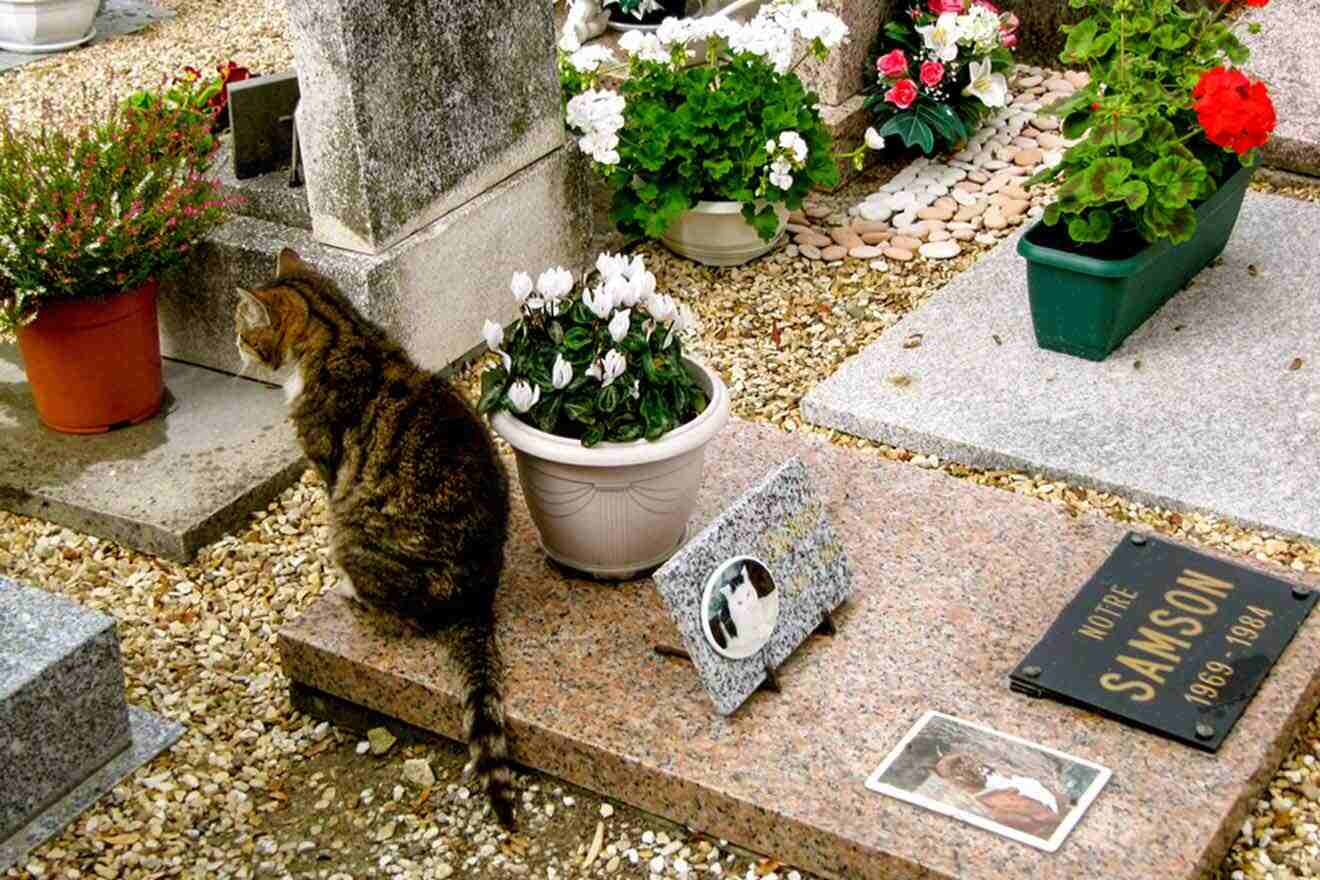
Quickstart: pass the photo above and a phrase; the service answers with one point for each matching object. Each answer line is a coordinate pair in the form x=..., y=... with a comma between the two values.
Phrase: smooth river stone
x=903, y=255
x=941, y=250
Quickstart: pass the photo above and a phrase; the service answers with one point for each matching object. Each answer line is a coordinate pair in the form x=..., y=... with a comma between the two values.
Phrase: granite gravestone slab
x=261, y=113
x=1167, y=639
x=755, y=583
x=411, y=108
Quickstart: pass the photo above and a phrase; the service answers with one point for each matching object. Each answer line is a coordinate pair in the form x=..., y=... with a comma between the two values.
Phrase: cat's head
x=272, y=320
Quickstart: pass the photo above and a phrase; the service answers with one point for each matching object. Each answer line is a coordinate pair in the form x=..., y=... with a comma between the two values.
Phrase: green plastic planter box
x=1086, y=307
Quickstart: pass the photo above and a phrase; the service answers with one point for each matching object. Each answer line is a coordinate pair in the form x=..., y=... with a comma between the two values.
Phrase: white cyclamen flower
x=990, y=87
x=493, y=333
x=791, y=140
x=634, y=267
x=523, y=395
x=640, y=288
x=942, y=37
x=599, y=301
x=874, y=139
x=619, y=288
x=620, y=324
x=521, y=287
x=554, y=283
x=614, y=365
x=609, y=265
x=662, y=307
x=562, y=373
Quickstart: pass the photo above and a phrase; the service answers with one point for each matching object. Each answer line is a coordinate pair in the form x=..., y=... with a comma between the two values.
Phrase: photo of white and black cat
x=740, y=607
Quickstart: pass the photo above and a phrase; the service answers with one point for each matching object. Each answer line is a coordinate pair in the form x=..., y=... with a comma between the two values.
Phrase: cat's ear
x=287, y=263
x=253, y=310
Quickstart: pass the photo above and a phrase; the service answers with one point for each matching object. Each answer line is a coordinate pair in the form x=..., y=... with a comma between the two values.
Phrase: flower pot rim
x=1096, y=267
x=568, y=450
x=722, y=207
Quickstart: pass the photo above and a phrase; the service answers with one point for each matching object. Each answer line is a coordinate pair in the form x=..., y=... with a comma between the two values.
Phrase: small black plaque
x=1167, y=639
x=261, y=120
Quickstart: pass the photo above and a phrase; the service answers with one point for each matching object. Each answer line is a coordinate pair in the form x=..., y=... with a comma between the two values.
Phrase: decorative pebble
x=865, y=252
x=834, y=253
x=810, y=251
x=941, y=250
x=900, y=254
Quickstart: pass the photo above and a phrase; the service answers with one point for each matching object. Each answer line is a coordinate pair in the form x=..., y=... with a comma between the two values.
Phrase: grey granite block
x=779, y=525
x=62, y=710
x=432, y=291
x=1213, y=405
x=1286, y=54
x=221, y=448
x=266, y=197
x=411, y=108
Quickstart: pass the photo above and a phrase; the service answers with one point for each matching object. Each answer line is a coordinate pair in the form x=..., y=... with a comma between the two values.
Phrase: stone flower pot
x=1086, y=306
x=617, y=509
x=46, y=25
x=715, y=234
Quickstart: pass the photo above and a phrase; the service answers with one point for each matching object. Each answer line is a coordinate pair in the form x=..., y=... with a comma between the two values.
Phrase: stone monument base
x=432, y=292
x=954, y=584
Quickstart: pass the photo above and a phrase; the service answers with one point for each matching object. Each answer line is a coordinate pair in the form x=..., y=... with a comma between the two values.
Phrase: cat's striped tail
x=477, y=657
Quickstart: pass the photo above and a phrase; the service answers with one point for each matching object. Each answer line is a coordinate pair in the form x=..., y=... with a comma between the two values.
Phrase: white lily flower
x=614, y=365
x=493, y=333
x=523, y=395
x=990, y=87
x=620, y=324
x=874, y=139
x=599, y=301
x=941, y=38
x=521, y=286
x=562, y=373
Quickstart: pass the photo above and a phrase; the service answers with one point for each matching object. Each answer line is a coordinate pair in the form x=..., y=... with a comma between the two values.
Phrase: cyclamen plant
x=945, y=72
x=1166, y=119
x=737, y=126
x=602, y=364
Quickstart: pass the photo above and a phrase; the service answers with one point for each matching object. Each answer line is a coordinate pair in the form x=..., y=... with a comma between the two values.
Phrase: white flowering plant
x=944, y=67
x=735, y=124
x=604, y=363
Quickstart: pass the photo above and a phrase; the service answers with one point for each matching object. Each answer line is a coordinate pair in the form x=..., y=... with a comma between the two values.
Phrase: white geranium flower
x=601, y=146
x=521, y=286
x=791, y=140
x=620, y=324
x=589, y=58
x=942, y=37
x=562, y=373
x=568, y=39
x=990, y=87
x=781, y=179
x=598, y=301
x=523, y=395
x=980, y=27
x=674, y=30
x=771, y=147
x=874, y=139
x=823, y=26
x=644, y=46
x=613, y=366
x=493, y=333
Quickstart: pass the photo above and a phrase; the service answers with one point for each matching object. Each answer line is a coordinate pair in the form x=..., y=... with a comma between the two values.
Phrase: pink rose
x=932, y=74
x=902, y=94
x=894, y=64
x=939, y=7
x=1009, y=40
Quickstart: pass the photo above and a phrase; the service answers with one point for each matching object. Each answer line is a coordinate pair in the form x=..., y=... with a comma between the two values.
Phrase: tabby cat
x=418, y=498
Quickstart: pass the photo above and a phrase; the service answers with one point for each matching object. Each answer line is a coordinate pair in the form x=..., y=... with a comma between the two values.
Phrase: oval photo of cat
x=740, y=607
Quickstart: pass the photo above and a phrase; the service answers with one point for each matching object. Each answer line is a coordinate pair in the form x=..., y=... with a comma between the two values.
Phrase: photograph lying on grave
x=1023, y=791
x=1167, y=639
x=755, y=584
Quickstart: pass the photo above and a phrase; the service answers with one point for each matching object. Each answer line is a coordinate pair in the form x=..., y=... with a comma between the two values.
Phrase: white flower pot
x=617, y=509
x=715, y=233
x=46, y=25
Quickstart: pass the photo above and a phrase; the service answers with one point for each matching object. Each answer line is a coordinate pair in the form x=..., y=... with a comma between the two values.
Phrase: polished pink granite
x=954, y=583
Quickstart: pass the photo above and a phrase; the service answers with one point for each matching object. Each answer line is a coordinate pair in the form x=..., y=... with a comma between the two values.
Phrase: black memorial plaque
x=261, y=122
x=1167, y=639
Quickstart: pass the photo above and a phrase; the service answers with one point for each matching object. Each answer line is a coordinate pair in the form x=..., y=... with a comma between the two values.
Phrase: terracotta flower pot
x=617, y=509
x=94, y=364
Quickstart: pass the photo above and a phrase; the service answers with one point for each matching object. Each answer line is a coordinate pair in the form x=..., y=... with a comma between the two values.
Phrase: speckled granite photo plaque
x=717, y=583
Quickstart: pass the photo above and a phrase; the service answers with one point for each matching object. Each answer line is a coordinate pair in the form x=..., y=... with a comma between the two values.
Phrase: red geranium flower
x=932, y=74
x=1235, y=112
x=1249, y=2
x=894, y=64
x=903, y=94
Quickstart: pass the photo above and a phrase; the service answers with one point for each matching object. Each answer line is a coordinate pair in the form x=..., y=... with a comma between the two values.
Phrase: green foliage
x=1143, y=163
x=104, y=209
